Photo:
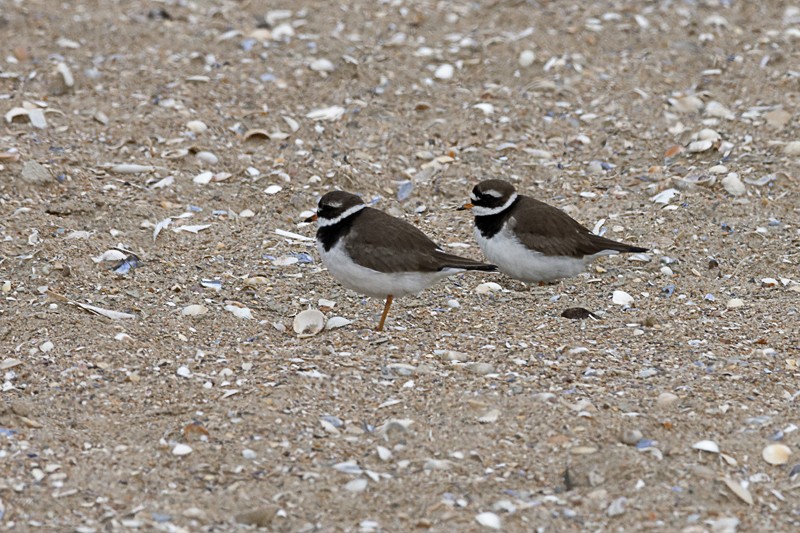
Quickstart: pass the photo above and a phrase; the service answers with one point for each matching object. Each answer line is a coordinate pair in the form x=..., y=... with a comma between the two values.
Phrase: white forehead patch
x=479, y=211
x=492, y=192
x=322, y=222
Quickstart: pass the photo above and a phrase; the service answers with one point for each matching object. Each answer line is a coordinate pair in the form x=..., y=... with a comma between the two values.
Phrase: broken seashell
x=739, y=490
x=308, y=323
x=665, y=196
x=336, y=322
x=110, y=255
x=621, y=298
x=733, y=185
x=333, y=112
x=488, y=287
x=239, y=310
x=706, y=446
x=194, y=310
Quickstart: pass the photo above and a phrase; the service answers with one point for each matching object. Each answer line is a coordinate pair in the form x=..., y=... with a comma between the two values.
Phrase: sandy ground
x=471, y=411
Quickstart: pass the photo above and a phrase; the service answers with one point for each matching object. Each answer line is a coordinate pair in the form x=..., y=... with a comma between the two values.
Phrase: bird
x=379, y=255
x=530, y=240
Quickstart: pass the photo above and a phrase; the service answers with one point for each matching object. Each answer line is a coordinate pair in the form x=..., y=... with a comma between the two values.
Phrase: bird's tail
x=457, y=262
x=608, y=244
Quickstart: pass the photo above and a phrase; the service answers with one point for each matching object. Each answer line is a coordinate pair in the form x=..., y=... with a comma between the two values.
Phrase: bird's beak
x=465, y=206
x=312, y=218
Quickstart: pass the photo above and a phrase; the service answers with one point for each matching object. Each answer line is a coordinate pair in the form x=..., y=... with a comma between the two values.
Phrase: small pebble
x=631, y=436
x=384, y=454
x=46, y=346
x=247, y=453
x=481, y=369
x=617, y=507
x=526, y=58
x=734, y=303
x=666, y=399
x=356, y=485
x=792, y=149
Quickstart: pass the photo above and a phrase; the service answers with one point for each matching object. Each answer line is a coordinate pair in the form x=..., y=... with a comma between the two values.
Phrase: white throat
x=479, y=211
x=322, y=222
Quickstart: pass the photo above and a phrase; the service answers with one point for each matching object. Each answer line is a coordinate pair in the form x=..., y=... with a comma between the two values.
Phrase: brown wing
x=388, y=244
x=549, y=230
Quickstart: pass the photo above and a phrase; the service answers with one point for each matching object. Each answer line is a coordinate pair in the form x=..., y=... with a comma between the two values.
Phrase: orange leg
x=385, y=313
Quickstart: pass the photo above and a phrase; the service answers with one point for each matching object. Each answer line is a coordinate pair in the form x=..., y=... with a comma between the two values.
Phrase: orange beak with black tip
x=312, y=218
x=466, y=206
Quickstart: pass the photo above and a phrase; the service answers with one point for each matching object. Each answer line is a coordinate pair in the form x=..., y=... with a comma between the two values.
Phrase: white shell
x=356, y=485
x=700, y=146
x=181, y=449
x=739, y=490
x=489, y=416
x=733, y=303
x=776, y=454
x=489, y=520
x=707, y=134
x=239, y=311
x=793, y=148
x=207, y=157
x=322, y=65
x=384, y=453
x=486, y=288
x=203, y=178
x=666, y=399
x=665, y=196
x=717, y=110
x=337, y=322
x=196, y=126
x=308, y=323
x=333, y=112
x=444, y=72
x=194, y=310
x=273, y=189
x=621, y=298
x=706, y=446
x=109, y=255
x=487, y=108
x=733, y=184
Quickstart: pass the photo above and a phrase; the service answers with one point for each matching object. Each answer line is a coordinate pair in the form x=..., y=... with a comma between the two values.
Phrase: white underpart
x=322, y=222
x=514, y=259
x=479, y=211
x=373, y=283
